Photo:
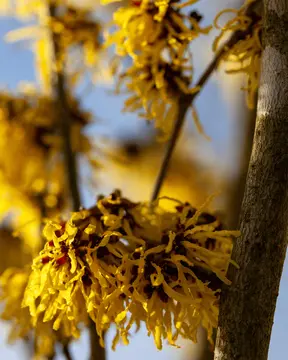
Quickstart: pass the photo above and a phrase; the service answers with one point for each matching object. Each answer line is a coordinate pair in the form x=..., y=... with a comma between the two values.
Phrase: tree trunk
x=246, y=126
x=247, y=307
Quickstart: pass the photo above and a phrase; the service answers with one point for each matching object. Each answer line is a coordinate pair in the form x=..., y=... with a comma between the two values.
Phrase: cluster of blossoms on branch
x=125, y=263
x=156, y=35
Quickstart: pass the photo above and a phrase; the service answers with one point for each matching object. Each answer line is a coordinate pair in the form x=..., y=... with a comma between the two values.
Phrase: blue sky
x=216, y=113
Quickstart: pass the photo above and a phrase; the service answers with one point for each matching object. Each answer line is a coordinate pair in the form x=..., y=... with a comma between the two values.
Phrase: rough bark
x=247, y=307
x=247, y=127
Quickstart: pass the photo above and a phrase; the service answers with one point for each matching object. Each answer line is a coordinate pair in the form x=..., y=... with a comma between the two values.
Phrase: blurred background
x=198, y=168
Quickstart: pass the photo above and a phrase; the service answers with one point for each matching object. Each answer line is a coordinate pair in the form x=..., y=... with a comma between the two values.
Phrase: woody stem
x=185, y=101
x=65, y=126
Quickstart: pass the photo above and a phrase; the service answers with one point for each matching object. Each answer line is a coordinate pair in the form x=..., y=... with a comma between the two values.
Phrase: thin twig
x=185, y=101
x=97, y=352
x=43, y=214
x=183, y=105
x=65, y=123
x=66, y=352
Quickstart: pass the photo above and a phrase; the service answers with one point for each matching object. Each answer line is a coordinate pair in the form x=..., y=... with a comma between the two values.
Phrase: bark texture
x=247, y=127
x=247, y=307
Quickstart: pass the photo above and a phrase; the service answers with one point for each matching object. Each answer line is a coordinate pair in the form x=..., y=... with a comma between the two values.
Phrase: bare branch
x=65, y=120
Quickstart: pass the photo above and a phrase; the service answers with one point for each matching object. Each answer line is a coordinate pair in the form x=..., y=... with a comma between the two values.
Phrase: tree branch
x=65, y=126
x=247, y=306
x=183, y=105
x=65, y=123
x=186, y=101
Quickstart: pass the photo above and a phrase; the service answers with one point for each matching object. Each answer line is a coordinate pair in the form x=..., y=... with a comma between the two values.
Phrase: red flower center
x=45, y=260
x=61, y=260
x=137, y=2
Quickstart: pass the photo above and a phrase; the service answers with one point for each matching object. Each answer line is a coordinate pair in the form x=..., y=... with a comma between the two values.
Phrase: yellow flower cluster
x=13, y=283
x=128, y=263
x=156, y=35
x=31, y=165
x=246, y=53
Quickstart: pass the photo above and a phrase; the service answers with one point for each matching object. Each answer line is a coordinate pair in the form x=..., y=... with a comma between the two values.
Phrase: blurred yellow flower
x=78, y=34
x=13, y=283
x=76, y=27
x=136, y=166
x=31, y=164
x=13, y=253
x=245, y=56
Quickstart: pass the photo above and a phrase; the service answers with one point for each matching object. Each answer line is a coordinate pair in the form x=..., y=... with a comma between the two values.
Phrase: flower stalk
x=65, y=125
x=66, y=352
x=65, y=120
x=186, y=101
